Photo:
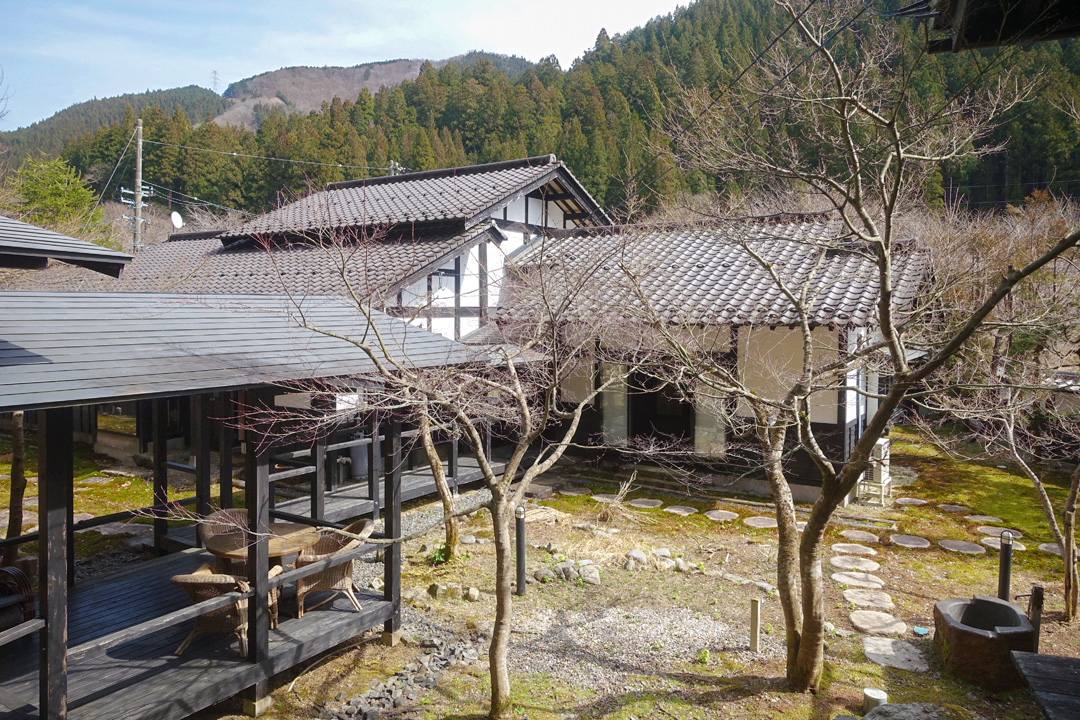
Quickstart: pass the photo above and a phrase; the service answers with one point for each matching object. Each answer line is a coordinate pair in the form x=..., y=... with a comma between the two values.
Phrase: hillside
x=51, y=134
x=303, y=89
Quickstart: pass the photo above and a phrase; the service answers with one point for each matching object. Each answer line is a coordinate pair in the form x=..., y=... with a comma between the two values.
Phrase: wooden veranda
x=104, y=648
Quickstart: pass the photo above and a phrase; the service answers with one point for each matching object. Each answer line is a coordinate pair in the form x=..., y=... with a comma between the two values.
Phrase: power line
x=106, y=186
x=197, y=199
x=285, y=160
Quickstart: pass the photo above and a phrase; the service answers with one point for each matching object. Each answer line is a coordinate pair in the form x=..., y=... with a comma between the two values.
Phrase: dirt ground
x=666, y=644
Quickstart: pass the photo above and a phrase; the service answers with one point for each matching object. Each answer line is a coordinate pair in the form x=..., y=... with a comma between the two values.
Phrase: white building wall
x=771, y=360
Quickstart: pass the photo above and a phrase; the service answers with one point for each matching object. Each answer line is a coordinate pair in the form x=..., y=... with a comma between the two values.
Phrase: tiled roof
x=705, y=275
x=202, y=265
x=22, y=244
x=467, y=195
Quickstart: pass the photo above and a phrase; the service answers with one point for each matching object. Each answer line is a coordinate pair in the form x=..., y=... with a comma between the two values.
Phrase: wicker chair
x=233, y=521
x=337, y=578
x=205, y=584
x=16, y=598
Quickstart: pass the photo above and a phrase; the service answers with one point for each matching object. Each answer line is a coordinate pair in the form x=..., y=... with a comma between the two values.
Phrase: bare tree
x=830, y=111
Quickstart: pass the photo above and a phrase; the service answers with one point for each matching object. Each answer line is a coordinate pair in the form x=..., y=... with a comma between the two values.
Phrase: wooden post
x=392, y=555
x=375, y=467
x=454, y=456
x=257, y=475
x=161, y=472
x=55, y=486
x=457, y=296
x=755, y=624
x=318, y=484
x=1035, y=611
x=225, y=448
x=201, y=420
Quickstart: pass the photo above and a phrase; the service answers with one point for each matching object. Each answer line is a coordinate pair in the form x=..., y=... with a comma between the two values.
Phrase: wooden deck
x=1054, y=681
x=143, y=679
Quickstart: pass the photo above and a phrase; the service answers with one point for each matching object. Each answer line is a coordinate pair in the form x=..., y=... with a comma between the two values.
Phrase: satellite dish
x=177, y=221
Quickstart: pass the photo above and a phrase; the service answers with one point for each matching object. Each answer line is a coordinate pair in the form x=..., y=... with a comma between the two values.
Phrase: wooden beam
x=392, y=528
x=257, y=497
x=55, y=492
x=225, y=448
x=577, y=216
x=200, y=409
x=457, y=298
x=483, y=260
x=318, y=483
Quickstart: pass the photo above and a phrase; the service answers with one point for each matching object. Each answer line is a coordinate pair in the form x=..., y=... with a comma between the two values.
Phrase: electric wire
x=111, y=175
x=276, y=159
x=198, y=199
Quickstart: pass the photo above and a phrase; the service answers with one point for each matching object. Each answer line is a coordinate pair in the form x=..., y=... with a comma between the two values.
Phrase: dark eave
x=974, y=24
x=27, y=246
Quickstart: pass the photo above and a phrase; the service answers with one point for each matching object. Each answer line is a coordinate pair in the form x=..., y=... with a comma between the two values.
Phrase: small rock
x=567, y=570
x=604, y=498
x=632, y=565
x=765, y=587
x=908, y=711
x=470, y=594
x=661, y=553
x=637, y=556
x=544, y=575
x=437, y=590
x=467, y=540
x=1052, y=548
x=665, y=563
x=681, y=565
x=376, y=583
x=591, y=574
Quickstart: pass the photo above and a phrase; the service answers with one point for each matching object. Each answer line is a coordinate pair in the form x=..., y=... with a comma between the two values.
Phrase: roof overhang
x=25, y=246
x=976, y=24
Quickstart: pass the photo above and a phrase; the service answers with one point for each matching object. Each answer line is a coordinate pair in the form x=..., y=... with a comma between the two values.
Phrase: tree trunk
x=1072, y=578
x=18, y=485
x=438, y=472
x=805, y=674
x=502, y=515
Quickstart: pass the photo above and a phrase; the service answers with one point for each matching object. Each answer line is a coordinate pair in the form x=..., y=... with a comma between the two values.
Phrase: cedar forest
x=604, y=117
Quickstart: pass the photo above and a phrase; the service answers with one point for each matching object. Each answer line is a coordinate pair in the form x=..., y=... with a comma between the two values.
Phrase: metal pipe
x=1005, y=565
x=520, y=514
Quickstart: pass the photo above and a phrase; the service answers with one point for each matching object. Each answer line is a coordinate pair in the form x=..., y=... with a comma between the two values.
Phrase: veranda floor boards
x=143, y=679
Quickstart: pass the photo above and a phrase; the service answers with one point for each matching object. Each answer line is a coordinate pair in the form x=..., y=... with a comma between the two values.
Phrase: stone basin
x=974, y=637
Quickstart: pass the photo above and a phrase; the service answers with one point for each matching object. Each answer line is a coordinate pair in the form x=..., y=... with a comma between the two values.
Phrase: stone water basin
x=974, y=637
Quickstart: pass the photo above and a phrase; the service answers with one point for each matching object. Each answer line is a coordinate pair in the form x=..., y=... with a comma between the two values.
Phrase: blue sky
x=55, y=54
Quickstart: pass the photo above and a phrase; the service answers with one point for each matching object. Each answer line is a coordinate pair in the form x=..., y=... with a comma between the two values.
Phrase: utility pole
x=136, y=243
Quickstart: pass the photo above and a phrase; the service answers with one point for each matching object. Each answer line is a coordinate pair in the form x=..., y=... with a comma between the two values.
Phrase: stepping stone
x=681, y=510
x=873, y=622
x=79, y=517
x=995, y=532
x=121, y=528
x=875, y=599
x=851, y=562
x=954, y=508
x=913, y=542
x=858, y=579
x=993, y=542
x=573, y=491
x=721, y=515
x=1052, y=548
x=800, y=525
x=859, y=536
x=646, y=503
x=760, y=521
x=853, y=549
x=960, y=546
x=914, y=502
x=604, y=498
x=895, y=653
x=984, y=519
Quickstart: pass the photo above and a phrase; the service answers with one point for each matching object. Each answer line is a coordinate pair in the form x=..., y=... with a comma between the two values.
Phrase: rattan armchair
x=205, y=584
x=16, y=598
x=337, y=578
x=233, y=521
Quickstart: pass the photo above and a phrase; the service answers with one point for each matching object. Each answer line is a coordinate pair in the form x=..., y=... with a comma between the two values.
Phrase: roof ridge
x=536, y=161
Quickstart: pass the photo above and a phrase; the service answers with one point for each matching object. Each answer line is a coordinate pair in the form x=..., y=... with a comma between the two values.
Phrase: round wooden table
x=285, y=539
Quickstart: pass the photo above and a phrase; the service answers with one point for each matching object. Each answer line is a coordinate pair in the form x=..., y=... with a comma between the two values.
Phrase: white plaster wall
x=469, y=324
x=578, y=382
x=771, y=360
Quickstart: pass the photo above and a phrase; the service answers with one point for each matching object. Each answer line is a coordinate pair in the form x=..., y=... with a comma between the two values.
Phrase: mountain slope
x=51, y=134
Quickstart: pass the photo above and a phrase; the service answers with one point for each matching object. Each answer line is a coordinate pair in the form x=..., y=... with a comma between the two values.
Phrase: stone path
x=912, y=542
x=875, y=622
x=911, y=502
x=995, y=543
x=859, y=580
x=960, y=546
x=865, y=597
x=646, y=503
x=681, y=510
x=721, y=515
x=604, y=498
x=954, y=508
x=852, y=562
x=984, y=519
x=895, y=653
x=859, y=536
x=760, y=521
x=1052, y=548
x=573, y=491
x=853, y=549
x=996, y=531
